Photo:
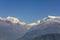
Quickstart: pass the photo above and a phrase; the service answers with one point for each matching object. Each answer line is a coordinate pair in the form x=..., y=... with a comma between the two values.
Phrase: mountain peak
x=54, y=17
x=14, y=20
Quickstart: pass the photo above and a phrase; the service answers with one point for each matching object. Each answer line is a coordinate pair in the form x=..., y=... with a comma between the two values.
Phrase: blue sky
x=29, y=10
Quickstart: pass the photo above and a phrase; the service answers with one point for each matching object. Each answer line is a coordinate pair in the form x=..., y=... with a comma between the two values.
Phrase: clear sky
x=29, y=10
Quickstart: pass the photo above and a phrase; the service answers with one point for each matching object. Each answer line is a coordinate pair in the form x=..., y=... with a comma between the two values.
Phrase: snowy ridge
x=16, y=20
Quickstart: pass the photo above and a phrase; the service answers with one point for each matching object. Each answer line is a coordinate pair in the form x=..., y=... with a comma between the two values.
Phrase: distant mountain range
x=48, y=29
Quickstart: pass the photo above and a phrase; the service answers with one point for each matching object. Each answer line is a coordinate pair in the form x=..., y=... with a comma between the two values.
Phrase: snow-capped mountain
x=48, y=25
x=11, y=28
